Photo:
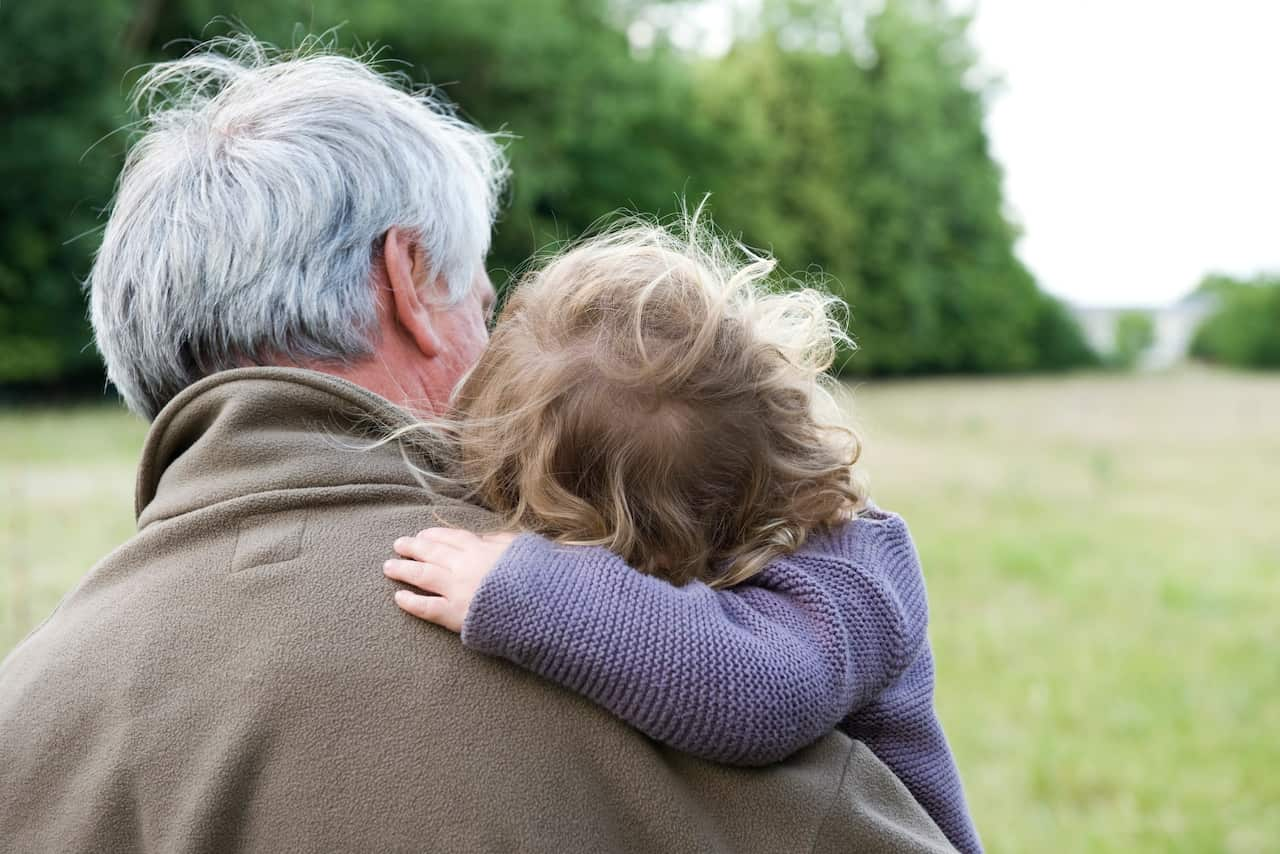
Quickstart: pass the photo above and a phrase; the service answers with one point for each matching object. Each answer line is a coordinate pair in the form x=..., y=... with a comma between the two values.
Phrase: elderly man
x=295, y=259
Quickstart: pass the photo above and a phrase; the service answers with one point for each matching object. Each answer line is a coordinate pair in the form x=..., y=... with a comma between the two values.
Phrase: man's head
x=300, y=209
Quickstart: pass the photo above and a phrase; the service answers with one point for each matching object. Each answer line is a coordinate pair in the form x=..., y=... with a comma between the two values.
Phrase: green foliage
x=1135, y=333
x=862, y=155
x=871, y=162
x=57, y=99
x=1244, y=331
x=1058, y=338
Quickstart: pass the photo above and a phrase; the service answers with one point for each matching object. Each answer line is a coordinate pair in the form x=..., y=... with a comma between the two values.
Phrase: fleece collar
x=251, y=431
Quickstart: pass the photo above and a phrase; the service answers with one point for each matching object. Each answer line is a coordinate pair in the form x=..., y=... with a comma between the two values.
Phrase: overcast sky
x=1140, y=140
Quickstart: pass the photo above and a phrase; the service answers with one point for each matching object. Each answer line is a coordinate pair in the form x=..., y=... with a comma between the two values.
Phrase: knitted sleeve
x=746, y=675
x=903, y=731
x=900, y=723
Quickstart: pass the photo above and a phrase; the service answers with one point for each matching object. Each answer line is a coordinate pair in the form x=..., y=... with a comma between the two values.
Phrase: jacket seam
x=835, y=797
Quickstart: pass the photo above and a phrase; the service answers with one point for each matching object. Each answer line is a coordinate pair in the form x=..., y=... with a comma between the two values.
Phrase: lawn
x=1104, y=568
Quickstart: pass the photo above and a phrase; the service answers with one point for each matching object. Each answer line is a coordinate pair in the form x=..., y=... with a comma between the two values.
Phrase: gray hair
x=248, y=214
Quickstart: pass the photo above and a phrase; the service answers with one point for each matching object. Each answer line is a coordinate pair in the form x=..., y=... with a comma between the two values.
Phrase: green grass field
x=1103, y=558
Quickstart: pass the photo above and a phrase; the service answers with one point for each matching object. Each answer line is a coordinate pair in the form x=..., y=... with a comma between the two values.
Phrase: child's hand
x=449, y=563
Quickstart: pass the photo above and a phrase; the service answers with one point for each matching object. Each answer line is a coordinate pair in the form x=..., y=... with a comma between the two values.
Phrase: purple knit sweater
x=832, y=636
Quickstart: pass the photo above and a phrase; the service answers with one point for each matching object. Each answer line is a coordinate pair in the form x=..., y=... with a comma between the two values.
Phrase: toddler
x=696, y=555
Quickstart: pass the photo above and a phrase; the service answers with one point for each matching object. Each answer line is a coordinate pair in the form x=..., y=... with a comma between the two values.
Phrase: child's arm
x=746, y=675
x=902, y=729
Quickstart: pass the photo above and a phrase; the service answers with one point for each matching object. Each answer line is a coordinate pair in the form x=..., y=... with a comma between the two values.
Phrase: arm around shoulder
x=746, y=675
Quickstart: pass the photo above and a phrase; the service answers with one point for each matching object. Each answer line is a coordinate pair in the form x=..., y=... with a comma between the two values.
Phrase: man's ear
x=407, y=278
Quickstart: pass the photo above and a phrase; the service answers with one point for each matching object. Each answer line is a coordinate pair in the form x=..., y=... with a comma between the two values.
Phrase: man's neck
x=408, y=389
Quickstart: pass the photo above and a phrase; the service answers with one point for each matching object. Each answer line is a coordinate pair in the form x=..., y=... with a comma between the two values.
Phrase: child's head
x=646, y=392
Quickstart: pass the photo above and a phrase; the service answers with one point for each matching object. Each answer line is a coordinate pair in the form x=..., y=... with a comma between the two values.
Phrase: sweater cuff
x=504, y=598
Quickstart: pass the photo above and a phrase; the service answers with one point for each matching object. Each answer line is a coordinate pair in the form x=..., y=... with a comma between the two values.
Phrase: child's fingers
x=454, y=538
x=417, y=548
x=424, y=576
x=433, y=609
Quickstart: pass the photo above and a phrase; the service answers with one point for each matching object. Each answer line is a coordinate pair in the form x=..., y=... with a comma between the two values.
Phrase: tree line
x=843, y=141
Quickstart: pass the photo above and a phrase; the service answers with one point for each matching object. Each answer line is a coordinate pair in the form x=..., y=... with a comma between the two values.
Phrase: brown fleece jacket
x=236, y=677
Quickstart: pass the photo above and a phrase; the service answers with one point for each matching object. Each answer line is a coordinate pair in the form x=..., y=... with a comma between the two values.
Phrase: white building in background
x=1175, y=326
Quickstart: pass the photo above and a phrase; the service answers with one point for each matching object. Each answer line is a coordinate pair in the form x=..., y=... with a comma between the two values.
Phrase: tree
x=868, y=158
x=1244, y=331
x=1135, y=333
x=59, y=101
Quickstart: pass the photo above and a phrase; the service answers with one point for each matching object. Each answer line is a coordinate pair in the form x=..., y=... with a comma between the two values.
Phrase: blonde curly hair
x=648, y=391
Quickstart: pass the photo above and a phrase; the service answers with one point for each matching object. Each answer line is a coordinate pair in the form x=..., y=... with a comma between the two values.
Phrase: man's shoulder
x=267, y=641
x=251, y=567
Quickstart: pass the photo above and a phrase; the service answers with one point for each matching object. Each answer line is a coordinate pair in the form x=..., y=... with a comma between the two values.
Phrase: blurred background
x=1054, y=223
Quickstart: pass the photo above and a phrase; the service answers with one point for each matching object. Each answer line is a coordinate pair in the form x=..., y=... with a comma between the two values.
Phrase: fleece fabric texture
x=833, y=635
x=236, y=677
